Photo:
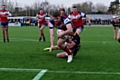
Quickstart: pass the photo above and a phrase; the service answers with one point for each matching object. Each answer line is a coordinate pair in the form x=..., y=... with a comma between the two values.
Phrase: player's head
x=74, y=9
x=62, y=10
x=56, y=17
x=115, y=18
x=3, y=7
x=41, y=11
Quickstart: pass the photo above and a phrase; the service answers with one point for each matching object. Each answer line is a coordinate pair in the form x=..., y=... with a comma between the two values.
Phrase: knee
x=41, y=29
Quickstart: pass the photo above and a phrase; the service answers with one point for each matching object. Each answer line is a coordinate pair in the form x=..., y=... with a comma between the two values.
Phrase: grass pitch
x=97, y=59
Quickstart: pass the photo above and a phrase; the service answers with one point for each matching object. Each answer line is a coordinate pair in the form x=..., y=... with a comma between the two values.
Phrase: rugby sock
x=66, y=49
x=4, y=40
x=40, y=39
x=4, y=36
x=44, y=39
x=7, y=39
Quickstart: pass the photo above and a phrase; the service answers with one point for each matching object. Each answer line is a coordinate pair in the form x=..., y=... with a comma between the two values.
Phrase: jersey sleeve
x=83, y=14
x=9, y=14
x=50, y=24
x=69, y=16
x=67, y=21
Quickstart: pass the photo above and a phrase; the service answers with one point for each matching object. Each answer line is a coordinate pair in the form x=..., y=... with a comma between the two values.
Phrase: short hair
x=56, y=14
x=62, y=9
x=41, y=8
x=74, y=7
x=3, y=5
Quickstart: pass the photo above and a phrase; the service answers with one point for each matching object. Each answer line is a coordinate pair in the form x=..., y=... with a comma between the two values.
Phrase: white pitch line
x=67, y=72
x=82, y=72
x=20, y=70
x=39, y=75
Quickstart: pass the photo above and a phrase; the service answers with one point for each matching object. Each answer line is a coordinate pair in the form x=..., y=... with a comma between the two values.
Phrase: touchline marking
x=39, y=75
x=82, y=72
x=20, y=70
x=42, y=71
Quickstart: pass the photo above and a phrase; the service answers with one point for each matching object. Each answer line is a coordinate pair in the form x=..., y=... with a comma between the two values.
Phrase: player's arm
x=87, y=17
x=69, y=16
x=51, y=30
x=68, y=27
x=66, y=32
x=37, y=18
x=8, y=14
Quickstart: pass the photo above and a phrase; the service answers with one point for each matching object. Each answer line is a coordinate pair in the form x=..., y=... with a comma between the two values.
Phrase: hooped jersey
x=4, y=15
x=64, y=16
x=61, y=25
x=42, y=17
x=77, y=19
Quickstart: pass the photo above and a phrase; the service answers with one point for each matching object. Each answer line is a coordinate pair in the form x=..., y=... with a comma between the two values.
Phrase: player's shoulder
x=51, y=21
x=67, y=20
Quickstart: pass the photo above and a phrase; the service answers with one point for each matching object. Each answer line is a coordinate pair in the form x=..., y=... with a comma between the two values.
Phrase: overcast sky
x=67, y=3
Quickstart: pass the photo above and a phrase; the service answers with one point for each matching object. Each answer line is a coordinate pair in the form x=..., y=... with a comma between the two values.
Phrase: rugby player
x=4, y=22
x=62, y=13
x=116, y=23
x=73, y=44
x=40, y=17
x=63, y=24
x=76, y=17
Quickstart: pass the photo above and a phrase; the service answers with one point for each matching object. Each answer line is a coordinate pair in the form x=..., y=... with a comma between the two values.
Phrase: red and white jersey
x=42, y=18
x=77, y=19
x=4, y=15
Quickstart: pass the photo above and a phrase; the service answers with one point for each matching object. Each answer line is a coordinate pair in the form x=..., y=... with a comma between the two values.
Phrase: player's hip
x=4, y=23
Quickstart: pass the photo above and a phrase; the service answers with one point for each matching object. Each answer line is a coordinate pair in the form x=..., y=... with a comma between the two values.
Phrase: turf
x=99, y=53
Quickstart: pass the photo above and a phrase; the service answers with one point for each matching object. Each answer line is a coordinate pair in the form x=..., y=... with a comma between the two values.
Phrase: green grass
x=99, y=53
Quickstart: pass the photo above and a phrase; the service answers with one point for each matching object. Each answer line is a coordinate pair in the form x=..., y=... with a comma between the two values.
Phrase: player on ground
x=40, y=17
x=73, y=44
x=4, y=22
x=116, y=23
x=63, y=24
x=76, y=17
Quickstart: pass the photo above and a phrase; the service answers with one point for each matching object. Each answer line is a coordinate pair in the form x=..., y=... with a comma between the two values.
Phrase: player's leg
x=42, y=32
x=7, y=34
x=3, y=33
x=118, y=36
x=79, y=30
x=65, y=48
x=61, y=55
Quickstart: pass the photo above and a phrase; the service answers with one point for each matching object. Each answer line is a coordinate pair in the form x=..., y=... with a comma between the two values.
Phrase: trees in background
x=114, y=7
x=30, y=10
